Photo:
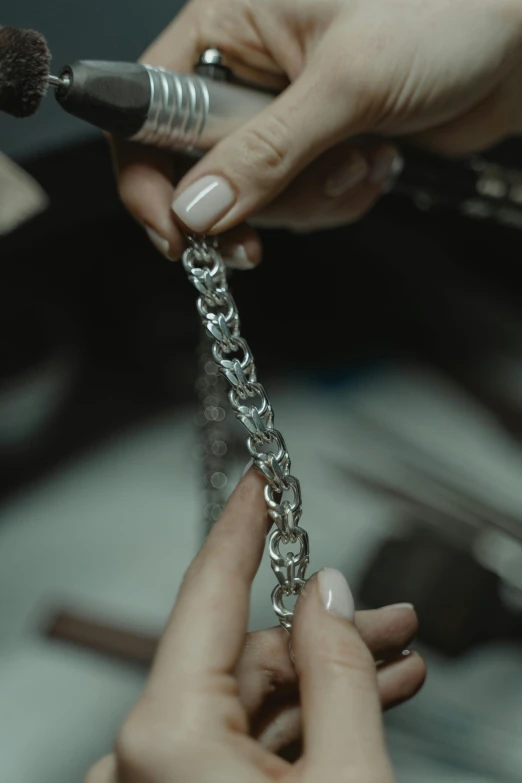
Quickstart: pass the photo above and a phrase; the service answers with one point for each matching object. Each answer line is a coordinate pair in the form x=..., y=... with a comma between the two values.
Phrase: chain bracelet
x=249, y=401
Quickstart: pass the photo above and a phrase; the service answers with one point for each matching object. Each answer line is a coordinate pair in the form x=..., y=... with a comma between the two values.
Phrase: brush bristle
x=25, y=63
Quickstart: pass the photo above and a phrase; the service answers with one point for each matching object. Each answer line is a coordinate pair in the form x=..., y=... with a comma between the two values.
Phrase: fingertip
x=250, y=489
x=347, y=174
x=401, y=679
x=385, y=165
x=172, y=248
x=388, y=630
x=201, y=204
x=161, y=244
x=335, y=594
x=247, y=467
x=144, y=177
x=241, y=248
x=326, y=594
x=237, y=257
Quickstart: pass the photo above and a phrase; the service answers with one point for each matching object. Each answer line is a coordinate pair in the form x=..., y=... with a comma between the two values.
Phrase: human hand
x=215, y=709
x=445, y=75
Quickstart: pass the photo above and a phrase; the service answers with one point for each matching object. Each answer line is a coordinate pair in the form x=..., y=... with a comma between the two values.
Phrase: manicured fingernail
x=400, y=606
x=335, y=593
x=386, y=165
x=247, y=468
x=203, y=203
x=386, y=664
x=397, y=168
x=236, y=258
x=347, y=177
x=159, y=242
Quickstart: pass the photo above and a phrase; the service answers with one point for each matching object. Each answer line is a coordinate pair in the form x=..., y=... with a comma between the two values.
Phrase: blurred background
x=393, y=354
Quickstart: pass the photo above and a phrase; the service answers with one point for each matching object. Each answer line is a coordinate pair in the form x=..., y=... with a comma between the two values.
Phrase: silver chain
x=249, y=400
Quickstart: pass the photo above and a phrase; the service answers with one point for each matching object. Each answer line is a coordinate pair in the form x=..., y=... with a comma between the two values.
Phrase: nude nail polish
x=396, y=171
x=204, y=202
x=236, y=258
x=400, y=606
x=159, y=242
x=335, y=594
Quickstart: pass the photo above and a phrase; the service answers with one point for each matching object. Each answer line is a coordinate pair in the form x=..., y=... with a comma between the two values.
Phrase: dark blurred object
x=458, y=601
x=458, y=284
x=443, y=563
x=102, y=638
x=481, y=188
x=38, y=369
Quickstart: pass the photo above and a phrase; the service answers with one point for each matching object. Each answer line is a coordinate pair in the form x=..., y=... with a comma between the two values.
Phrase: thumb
x=342, y=721
x=249, y=168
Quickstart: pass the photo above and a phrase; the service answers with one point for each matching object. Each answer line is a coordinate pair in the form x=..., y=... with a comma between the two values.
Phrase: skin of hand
x=219, y=704
x=443, y=74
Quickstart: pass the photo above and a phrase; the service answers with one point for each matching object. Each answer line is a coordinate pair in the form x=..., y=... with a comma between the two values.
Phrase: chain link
x=249, y=400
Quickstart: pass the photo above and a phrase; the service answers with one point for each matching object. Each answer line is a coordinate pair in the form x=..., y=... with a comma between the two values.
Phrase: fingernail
x=247, y=468
x=387, y=164
x=236, y=258
x=397, y=168
x=347, y=177
x=202, y=204
x=400, y=606
x=335, y=593
x=388, y=668
x=159, y=242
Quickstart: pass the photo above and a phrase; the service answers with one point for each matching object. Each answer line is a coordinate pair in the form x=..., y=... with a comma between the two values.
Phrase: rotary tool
x=143, y=103
x=190, y=113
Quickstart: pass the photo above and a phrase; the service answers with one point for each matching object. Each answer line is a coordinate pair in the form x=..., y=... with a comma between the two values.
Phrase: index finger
x=206, y=630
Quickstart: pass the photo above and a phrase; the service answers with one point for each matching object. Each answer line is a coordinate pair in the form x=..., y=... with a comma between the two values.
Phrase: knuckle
x=266, y=652
x=266, y=643
x=267, y=147
x=145, y=744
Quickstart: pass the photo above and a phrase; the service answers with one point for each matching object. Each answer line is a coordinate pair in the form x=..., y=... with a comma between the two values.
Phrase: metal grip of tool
x=188, y=112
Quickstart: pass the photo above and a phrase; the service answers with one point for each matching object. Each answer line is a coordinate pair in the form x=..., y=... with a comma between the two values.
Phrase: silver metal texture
x=211, y=57
x=190, y=113
x=58, y=81
x=231, y=356
x=178, y=110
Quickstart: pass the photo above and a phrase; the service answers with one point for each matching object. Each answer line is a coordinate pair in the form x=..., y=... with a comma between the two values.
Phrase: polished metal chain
x=249, y=400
